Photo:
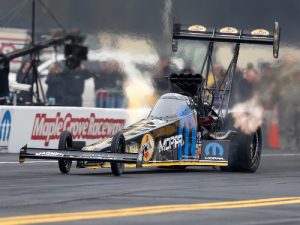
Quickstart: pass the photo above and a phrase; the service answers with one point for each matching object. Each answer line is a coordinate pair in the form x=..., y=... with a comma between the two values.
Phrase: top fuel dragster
x=190, y=126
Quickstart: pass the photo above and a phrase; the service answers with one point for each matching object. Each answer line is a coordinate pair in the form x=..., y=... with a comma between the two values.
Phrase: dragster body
x=165, y=138
x=190, y=126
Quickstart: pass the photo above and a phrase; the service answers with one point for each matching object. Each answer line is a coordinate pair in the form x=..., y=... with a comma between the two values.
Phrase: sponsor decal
x=89, y=148
x=140, y=157
x=165, y=131
x=198, y=28
x=214, y=151
x=170, y=143
x=99, y=144
x=199, y=145
x=142, y=126
x=55, y=154
x=147, y=147
x=228, y=30
x=5, y=126
x=188, y=130
x=49, y=128
x=199, y=138
x=260, y=32
x=100, y=156
x=198, y=152
x=220, y=134
x=132, y=147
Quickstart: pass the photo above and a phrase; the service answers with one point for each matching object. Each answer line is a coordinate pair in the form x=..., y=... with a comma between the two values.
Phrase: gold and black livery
x=190, y=126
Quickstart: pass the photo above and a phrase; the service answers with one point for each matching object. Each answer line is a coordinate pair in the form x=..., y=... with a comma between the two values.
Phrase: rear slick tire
x=245, y=152
x=117, y=146
x=65, y=143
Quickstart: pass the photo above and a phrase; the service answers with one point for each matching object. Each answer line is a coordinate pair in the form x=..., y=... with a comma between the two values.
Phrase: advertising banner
x=42, y=126
x=5, y=128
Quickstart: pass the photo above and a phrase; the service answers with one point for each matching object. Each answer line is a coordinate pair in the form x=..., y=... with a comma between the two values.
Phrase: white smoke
x=248, y=115
x=138, y=86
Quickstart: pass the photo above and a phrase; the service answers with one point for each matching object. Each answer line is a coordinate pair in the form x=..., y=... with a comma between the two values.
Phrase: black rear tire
x=65, y=142
x=245, y=152
x=117, y=146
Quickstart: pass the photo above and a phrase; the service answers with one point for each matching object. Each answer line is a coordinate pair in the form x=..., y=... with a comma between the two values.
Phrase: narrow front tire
x=117, y=146
x=65, y=143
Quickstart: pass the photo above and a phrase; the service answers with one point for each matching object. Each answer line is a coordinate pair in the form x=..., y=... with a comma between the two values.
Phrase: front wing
x=101, y=157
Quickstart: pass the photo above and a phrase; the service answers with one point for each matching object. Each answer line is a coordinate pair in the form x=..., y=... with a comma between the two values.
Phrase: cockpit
x=172, y=106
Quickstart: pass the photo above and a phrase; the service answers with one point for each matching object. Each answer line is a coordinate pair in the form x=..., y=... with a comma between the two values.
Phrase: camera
x=74, y=54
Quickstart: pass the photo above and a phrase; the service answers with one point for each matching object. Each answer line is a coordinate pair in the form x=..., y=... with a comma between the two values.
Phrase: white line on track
x=30, y=162
x=280, y=154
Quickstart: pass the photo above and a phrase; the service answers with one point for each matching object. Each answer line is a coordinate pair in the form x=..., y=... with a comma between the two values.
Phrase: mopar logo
x=214, y=149
x=171, y=142
x=5, y=126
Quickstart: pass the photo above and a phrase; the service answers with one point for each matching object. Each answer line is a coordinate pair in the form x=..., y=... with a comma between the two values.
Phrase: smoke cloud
x=248, y=116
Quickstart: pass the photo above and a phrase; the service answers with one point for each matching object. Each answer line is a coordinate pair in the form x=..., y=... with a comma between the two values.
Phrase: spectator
x=74, y=81
x=268, y=80
x=24, y=76
x=4, y=85
x=55, y=82
x=222, y=81
x=243, y=84
x=109, y=86
x=249, y=82
x=217, y=79
x=287, y=92
x=221, y=84
x=251, y=74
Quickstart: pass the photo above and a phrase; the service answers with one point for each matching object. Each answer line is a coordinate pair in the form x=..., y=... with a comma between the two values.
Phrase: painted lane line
x=138, y=211
x=30, y=162
x=280, y=154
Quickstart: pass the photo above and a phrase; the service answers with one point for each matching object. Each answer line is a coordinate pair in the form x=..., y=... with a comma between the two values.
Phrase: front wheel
x=117, y=146
x=65, y=142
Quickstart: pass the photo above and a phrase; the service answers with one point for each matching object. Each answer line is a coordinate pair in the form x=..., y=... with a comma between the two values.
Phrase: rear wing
x=227, y=34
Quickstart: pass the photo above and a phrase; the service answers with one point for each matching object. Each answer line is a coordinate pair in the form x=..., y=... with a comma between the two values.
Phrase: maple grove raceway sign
x=49, y=128
x=42, y=126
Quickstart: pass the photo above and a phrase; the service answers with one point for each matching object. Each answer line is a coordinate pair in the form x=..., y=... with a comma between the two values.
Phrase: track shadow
x=143, y=171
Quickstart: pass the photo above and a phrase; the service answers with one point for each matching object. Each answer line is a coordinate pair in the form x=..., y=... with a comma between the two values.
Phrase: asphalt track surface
x=196, y=195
